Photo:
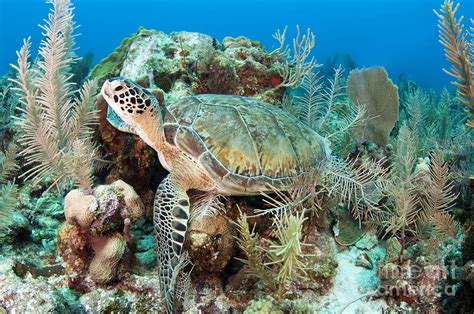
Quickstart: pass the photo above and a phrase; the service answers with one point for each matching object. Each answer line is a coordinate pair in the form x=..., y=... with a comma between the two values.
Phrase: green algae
x=142, y=232
x=112, y=64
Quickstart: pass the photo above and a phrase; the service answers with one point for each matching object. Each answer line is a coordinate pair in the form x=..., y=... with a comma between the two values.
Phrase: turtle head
x=131, y=102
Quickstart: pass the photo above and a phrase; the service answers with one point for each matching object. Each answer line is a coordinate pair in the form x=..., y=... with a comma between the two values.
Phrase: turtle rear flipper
x=171, y=215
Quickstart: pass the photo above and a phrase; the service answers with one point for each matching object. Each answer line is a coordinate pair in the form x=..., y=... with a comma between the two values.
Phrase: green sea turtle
x=220, y=144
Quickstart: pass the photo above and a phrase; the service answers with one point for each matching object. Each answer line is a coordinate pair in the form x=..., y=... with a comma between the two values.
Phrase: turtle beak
x=105, y=91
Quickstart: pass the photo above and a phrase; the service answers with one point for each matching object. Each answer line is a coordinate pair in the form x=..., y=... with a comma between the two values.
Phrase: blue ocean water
x=398, y=34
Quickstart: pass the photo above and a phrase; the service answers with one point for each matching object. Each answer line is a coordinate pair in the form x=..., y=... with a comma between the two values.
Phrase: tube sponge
x=372, y=88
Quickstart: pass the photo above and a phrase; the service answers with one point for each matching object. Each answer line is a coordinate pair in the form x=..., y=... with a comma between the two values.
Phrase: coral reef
x=425, y=217
x=282, y=263
x=136, y=293
x=321, y=103
x=183, y=63
x=56, y=124
x=434, y=121
x=384, y=224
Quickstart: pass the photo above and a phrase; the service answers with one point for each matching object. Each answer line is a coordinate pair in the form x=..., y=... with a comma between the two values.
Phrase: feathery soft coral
x=56, y=117
x=459, y=52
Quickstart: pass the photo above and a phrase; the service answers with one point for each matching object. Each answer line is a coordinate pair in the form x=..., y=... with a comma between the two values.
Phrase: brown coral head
x=134, y=205
x=79, y=208
x=108, y=254
x=128, y=99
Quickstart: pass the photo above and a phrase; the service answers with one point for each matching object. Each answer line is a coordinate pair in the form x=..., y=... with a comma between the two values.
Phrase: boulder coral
x=79, y=208
x=101, y=222
x=108, y=252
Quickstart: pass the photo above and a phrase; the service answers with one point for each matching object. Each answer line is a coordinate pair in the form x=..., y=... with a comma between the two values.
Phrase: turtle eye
x=118, y=88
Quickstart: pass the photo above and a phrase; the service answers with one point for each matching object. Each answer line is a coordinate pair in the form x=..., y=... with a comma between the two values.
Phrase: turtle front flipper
x=170, y=217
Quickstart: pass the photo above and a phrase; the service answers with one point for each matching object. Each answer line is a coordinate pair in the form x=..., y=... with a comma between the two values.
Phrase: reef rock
x=30, y=294
x=176, y=65
x=185, y=63
x=212, y=243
